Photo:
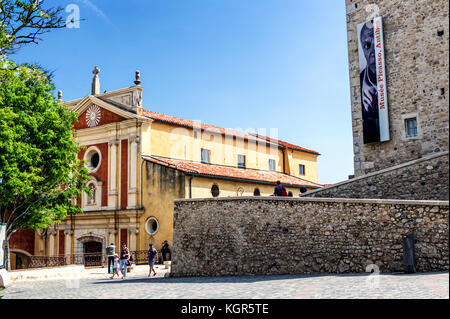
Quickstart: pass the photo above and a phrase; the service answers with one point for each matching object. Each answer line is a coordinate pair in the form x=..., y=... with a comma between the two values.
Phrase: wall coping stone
x=320, y=199
x=386, y=170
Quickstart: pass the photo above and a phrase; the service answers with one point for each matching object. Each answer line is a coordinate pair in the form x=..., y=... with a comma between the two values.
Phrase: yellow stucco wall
x=161, y=186
x=310, y=162
x=178, y=142
x=201, y=188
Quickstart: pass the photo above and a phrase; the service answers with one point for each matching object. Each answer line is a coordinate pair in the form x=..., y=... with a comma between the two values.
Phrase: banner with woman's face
x=373, y=82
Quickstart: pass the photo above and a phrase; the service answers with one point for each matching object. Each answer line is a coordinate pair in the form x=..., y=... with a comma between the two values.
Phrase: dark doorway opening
x=93, y=255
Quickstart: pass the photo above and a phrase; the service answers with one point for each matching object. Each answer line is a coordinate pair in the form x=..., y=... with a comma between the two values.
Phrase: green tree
x=23, y=22
x=40, y=174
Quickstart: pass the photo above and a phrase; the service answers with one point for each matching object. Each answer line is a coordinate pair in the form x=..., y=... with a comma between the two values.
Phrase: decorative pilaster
x=111, y=238
x=52, y=242
x=132, y=190
x=133, y=232
x=68, y=245
x=112, y=189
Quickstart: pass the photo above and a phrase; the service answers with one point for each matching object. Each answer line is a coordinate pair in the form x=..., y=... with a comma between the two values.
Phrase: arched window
x=215, y=190
x=92, y=201
x=256, y=192
x=240, y=191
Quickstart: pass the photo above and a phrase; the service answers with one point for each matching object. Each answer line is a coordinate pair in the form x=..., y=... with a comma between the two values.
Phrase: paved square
x=138, y=286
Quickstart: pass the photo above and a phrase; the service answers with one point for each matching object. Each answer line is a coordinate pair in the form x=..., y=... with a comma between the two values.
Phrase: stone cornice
x=320, y=199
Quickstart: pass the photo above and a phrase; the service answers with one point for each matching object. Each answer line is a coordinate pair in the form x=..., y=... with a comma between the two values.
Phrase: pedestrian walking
x=115, y=266
x=152, y=255
x=110, y=252
x=124, y=259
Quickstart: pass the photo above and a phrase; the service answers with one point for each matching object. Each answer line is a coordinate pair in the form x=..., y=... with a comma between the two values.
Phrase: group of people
x=280, y=190
x=116, y=262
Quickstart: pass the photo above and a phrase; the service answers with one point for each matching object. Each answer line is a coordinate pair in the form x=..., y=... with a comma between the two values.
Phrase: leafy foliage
x=40, y=173
x=22, y=22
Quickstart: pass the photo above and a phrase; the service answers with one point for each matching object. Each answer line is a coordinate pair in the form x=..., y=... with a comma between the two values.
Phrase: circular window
x=151, y=226
x=93, y=159
x=215, y=190
x=256, y=192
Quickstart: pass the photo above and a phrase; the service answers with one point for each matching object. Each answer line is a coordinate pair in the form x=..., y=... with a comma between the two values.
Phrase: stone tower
x=416, y=53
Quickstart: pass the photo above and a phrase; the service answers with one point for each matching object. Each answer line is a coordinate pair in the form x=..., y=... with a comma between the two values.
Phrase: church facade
x=139, y=161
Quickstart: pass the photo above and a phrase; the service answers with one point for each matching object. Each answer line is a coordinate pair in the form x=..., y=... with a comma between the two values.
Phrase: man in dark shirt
x=279, y=189
x=152, y=254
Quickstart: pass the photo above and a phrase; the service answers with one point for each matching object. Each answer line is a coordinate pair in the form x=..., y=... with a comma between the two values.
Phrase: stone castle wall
x=416, y=39
x=422, y=179
x=268, y=235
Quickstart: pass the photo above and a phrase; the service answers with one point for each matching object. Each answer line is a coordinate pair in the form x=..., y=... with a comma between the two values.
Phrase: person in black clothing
x=280, y=190
x=165, y=250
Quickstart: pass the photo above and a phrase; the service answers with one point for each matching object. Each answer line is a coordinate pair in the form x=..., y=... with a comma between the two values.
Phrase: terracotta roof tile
x=191, y=124
x=231, y=172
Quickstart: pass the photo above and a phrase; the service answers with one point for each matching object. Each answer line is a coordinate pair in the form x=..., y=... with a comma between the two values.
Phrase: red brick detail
x=23, y=239
x=102, y=173
x=62, y=241
x=106, y=117
x=123, y=237
x=124, y=175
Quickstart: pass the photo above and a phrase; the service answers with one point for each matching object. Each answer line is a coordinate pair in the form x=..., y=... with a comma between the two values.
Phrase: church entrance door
x=93, y=255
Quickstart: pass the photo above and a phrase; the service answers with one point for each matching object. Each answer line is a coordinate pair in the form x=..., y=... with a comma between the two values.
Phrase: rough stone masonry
x=416, y=40
x=422, y=179
x=268, y=235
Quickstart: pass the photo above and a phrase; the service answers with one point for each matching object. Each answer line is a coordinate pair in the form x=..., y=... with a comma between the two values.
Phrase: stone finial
x=138, y=78
x=59, y=95
x=96, y=81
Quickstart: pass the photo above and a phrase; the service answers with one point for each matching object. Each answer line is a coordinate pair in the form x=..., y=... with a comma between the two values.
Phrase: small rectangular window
x=302, y=169
x=411, y=127
x=206, y=156
x=241, y=161
x=272, y=165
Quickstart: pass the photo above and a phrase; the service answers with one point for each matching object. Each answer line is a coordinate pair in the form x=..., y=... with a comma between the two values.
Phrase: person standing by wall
x=124, y=257
x=110, y=252
x=152, y=257
x=280, y=190
x=165, y=250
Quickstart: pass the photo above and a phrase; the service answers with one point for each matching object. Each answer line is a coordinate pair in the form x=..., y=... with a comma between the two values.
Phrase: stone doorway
x=93, y=255
x=90, y=250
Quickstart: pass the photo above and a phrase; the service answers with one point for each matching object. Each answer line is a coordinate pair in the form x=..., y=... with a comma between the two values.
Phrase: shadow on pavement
x=243, y=279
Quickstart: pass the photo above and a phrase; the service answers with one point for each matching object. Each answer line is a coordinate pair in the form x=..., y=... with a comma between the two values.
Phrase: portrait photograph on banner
x=372, y=80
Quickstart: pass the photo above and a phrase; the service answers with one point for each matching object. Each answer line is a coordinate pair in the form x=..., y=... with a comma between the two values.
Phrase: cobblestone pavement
x=138, y=286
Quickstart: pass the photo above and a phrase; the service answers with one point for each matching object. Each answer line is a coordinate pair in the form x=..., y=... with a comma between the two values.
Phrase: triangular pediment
x=93, y=112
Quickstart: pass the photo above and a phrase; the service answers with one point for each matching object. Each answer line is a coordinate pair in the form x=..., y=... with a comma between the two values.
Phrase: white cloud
x=98, y=11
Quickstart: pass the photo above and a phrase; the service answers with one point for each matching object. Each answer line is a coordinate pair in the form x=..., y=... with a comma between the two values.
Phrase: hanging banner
x=2, y=242
x=373, y=81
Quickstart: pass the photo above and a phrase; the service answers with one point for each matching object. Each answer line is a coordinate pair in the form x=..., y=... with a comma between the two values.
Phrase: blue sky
x=231, y=63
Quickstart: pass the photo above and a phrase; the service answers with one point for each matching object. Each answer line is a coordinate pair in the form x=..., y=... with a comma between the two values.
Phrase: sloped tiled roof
x=201, y=169
x=192, y=124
